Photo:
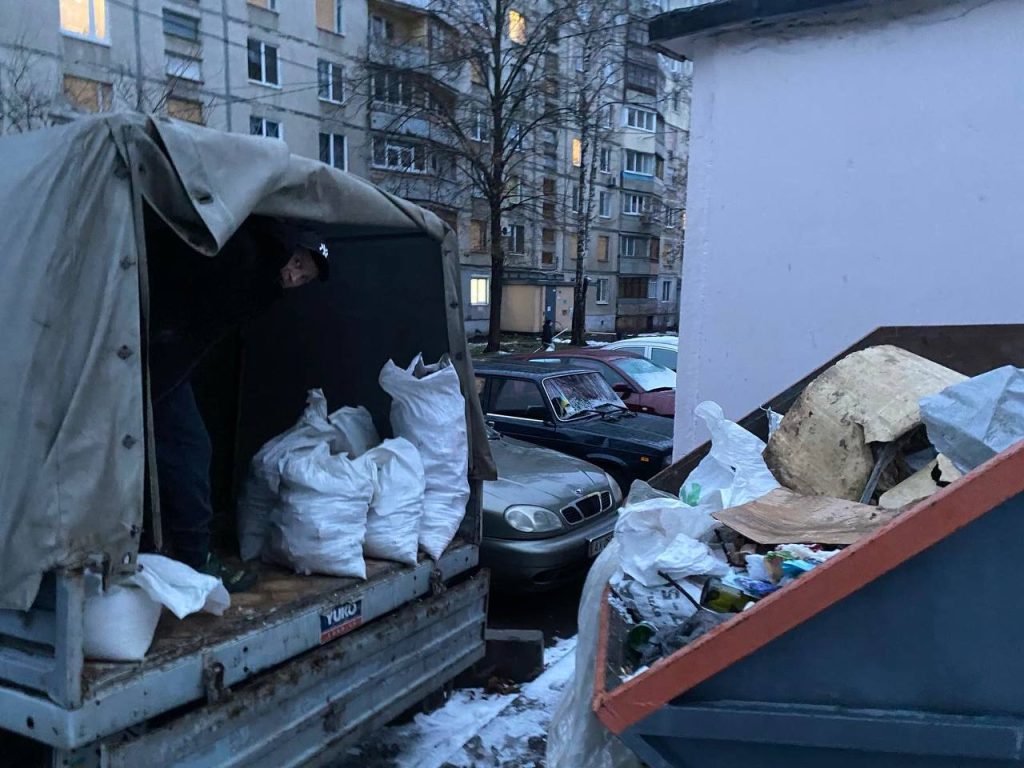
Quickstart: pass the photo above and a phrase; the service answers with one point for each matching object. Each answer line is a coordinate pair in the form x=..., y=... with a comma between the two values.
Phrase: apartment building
x=332, y=78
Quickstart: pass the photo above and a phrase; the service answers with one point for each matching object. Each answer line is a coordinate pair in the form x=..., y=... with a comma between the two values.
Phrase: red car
x=644, y=386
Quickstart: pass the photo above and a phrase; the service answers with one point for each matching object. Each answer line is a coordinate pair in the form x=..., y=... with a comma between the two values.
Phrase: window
x=604, y=163
x=666, y=290
x=333, y=150
x=634, y=204
x=381, y=28
x=643, y=119
x=516, y=27
x=481, y=128
x=549, y=139
x=633, y=247
x=260, y=126
x=572, y=246
x=640, y=162
x=655, y=248
x=675, y=100
x=263, y=63
x=392, y=88
x=517, y=239
x=665, y=357
x=652, y=288
x=517, y=397
x=642, y=78
x=547, y=237
x=576, y=200
x=329, y=16
x=84, y=18
x=515, y=190
x=604, y=205
x=330, y=83
x=476, y=73
x=671, y=216
x=270, y=5
x=477, y=235
x=88, y=95
x=184, y=67
x=608, y=116
x=634, y=350
x=437, y=36
x=633, y=287
x=181, y=25
x=602, y=247
x=397, y=155
x=479, y=291
x=183, y=109
x=601, y=293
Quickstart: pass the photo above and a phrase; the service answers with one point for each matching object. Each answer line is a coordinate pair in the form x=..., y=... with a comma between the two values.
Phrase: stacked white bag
x=393, y=525
x=429, y=411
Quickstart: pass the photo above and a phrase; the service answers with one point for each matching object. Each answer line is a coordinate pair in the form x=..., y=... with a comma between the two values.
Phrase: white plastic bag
x=973, y=421
x=320, y=523
x=658, y=532
x=429, y=411
x=734, y=472
x=576, y=738
x=393, y=524
x=662, y=606
x=259, y=492
x=119, y=624
x=353, y=431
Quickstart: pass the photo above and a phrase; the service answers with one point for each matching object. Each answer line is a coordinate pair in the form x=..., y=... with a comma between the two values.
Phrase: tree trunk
x=497, y=279
x=585, y=205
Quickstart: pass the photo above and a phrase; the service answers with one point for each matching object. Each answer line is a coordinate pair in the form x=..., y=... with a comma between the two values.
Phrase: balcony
x=642, y=306
x=398, y=55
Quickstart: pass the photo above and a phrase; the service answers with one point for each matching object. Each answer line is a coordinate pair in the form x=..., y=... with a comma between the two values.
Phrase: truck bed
x=201, y=656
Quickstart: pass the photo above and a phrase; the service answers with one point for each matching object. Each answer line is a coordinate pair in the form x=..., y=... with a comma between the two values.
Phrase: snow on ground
x=476, y=729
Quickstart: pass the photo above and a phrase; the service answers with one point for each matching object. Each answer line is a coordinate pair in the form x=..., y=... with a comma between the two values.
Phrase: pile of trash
x=872, y=436
x=878, y=432
x=328, y=493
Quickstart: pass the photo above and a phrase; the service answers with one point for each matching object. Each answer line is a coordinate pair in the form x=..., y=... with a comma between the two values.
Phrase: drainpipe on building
x=227, y=63
x=139, y=80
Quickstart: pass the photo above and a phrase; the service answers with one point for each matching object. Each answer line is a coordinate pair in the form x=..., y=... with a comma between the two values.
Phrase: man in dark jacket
x=195, y=301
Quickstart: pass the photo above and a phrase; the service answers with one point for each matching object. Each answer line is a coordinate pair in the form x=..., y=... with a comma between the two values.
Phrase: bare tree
x=478, y=137
x=28, y=88
x=594, y=84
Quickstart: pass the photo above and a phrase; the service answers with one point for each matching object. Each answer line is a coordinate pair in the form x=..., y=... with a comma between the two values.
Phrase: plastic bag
x=320, y=522
x=658, y=532
x=734, y=472
x=259, y=492
x=576, y=738
x=973, y=421
x=352, y=431
x=393, y=524
x=119, y=624
x=429, y=411
x=662, y=606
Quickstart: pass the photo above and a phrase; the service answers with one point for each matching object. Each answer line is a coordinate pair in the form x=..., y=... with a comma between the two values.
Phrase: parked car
x=663, y=350
x=574, y=410
x=546, y=516
x=643, y=385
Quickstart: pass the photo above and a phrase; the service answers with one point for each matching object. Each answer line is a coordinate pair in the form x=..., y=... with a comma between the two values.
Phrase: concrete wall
x=842, y=177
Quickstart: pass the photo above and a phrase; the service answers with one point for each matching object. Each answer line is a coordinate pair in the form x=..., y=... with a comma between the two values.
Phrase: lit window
x=577, y=152
x=260, y=126
x=333, y=150
x=86, y=18
x=516, y=27
x=601, y=284
x=329, y=81
x=263, y=63
x=479, y=291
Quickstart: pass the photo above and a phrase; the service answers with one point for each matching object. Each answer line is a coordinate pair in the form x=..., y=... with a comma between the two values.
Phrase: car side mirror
x=623, y=390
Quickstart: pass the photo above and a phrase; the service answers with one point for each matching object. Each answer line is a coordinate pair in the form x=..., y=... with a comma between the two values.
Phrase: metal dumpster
x=902, y=651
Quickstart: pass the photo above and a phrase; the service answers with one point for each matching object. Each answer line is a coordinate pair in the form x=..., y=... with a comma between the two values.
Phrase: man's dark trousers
x=183, y=455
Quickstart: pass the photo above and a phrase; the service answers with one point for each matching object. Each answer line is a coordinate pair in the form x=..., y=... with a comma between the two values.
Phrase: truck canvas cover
x=73, y=298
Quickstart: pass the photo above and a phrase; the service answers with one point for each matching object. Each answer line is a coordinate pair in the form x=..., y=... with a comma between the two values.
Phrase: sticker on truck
x=340, y=620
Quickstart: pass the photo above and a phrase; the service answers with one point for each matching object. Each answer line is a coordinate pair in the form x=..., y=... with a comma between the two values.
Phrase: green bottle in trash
x=722, y=598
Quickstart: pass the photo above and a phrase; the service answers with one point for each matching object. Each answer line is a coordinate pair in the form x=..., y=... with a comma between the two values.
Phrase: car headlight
x=616, y=490
x=527, y=519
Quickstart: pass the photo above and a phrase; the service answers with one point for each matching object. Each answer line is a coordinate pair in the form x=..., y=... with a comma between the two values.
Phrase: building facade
x=326, y=77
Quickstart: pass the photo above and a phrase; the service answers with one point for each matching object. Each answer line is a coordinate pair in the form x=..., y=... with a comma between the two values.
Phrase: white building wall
x=842, y=177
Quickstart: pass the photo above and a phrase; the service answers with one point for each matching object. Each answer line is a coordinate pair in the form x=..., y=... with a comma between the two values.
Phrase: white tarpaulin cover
x=72, y=438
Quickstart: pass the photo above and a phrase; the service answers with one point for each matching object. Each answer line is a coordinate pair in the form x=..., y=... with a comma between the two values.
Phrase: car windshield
x=648, y=375
x=581, y=394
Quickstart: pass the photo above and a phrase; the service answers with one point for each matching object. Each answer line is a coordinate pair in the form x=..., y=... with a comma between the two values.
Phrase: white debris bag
x=973, y=421
x=352, y=431
x=658, y=532
x=399, y=483
x=429, y=411
x=320, y=522
x=734, y=471
x=576, y=738
x=119, y=624
x=661, y=606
